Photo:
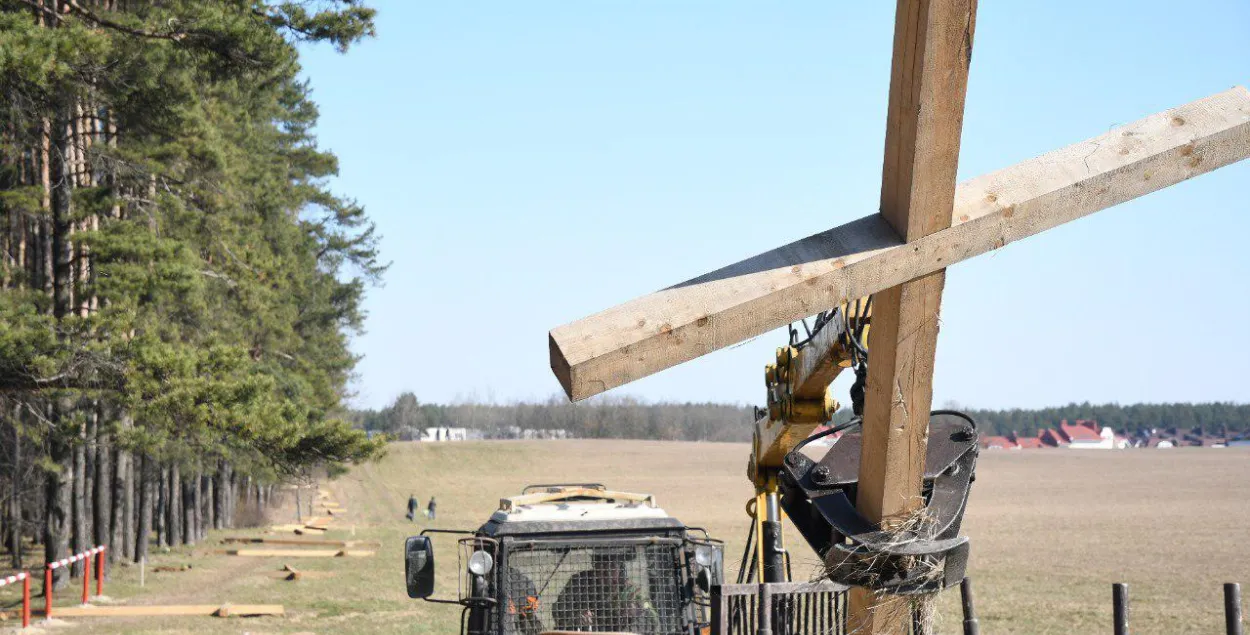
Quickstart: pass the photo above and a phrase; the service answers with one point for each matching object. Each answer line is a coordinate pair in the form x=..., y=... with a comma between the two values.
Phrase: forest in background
x=177, y=282
x=628, y=418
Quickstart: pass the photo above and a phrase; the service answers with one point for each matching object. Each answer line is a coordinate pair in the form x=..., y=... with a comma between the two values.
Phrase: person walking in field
x=413, y=506
x=429, y=510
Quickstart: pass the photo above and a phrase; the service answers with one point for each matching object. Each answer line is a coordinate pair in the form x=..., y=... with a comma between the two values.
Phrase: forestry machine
x=576, y=557
x=813, y=475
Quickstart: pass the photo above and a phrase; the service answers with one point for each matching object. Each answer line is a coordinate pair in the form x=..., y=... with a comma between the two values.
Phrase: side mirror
x=419, y=566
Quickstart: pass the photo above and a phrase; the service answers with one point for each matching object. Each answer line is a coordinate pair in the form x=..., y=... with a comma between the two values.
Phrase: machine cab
x=576, y=558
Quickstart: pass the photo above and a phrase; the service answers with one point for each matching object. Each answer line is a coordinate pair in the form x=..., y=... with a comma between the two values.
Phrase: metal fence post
x=99, y=570
x=1119, y=605
x=26, y=600
x=765, y=626
x=971, y=625
x=86, y=576
x=1232, y=608
x=720, y=621
x=47, y=592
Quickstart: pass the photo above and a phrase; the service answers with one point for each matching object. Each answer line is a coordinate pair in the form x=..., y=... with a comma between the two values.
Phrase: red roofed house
x=1052, y=439
x=1026, y=443
x=998, y=443
x=1087, y=434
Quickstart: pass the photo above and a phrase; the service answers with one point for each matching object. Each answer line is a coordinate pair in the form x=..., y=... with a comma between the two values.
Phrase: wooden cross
x=926, y=223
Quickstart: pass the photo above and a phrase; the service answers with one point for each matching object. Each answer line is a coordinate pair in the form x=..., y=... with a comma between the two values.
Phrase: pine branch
x=81, y=11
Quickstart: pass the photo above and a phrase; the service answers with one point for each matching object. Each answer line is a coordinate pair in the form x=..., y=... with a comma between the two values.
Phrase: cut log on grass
x=297, y=553
x=291, y=574
x=719, y=309
x=218, y=610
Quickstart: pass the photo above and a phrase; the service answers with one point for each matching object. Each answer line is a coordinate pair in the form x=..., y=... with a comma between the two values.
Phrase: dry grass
x=1051, y=531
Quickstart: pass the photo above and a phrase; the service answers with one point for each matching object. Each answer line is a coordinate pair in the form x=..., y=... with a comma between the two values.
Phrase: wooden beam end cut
x=560, y=366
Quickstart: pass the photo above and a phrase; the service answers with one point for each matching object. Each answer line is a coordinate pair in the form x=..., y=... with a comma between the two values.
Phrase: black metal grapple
x=925, y=552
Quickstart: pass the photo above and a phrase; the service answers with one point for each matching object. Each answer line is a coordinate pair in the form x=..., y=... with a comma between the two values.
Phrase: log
x=218, y=610
x=928, y=83
x=724, y=307
x=296, y=553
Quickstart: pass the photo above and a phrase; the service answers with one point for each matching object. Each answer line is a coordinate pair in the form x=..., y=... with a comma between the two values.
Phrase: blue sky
x=529, y=163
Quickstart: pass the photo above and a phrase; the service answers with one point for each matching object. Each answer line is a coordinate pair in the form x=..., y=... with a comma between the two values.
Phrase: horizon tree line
x=625, y=417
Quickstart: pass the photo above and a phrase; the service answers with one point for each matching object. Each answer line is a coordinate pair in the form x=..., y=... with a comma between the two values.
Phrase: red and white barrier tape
x=14, y=578
x=75, y=558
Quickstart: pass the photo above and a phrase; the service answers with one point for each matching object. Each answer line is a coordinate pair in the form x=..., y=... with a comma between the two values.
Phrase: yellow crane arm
x=798, y=385
x=798, y=401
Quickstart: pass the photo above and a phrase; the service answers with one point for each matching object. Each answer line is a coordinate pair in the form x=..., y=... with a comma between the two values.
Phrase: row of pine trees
x=177, y=282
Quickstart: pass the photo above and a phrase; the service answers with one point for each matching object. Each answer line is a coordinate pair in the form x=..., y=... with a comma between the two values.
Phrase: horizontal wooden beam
x=729, y=305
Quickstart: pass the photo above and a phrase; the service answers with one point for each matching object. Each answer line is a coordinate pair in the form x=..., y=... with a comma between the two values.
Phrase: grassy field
x=1051, y=531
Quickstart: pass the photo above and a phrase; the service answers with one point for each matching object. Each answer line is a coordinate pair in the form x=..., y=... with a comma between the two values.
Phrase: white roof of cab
x=574, y=503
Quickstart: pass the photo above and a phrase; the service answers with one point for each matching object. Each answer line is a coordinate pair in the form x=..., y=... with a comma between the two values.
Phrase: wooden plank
x=220, y=610
x=746, y=299
x=308, y=542
x=296, y=553
x=928, y=82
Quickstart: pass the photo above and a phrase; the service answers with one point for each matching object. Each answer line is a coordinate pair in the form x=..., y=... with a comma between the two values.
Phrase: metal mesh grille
x=818, y=613
x=592, y=588
x=795, y=609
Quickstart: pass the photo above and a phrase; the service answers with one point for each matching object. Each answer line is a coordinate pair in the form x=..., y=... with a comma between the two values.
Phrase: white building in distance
x=444, y=434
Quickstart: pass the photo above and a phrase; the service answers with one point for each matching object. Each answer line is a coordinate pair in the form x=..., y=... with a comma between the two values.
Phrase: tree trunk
x=79, y=528
x=201, y=497
x=117, y=520
x=160, y=512
x=58, y=493
x=62, y=223
x=15, y=494
x=43, y=238
x=188, y=510
x=89, y=463
x=128, y=508
x=103, y=486
x=232, y=497
x=210, y=503
x=147, y=490
x=174, y=521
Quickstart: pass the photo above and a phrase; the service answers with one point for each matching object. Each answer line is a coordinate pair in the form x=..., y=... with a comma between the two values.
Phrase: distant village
x=442, y=433
x=1077, y=434
x=1087, y=434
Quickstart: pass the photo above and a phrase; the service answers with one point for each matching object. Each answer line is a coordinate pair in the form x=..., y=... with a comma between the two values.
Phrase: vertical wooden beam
x=928, y=82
